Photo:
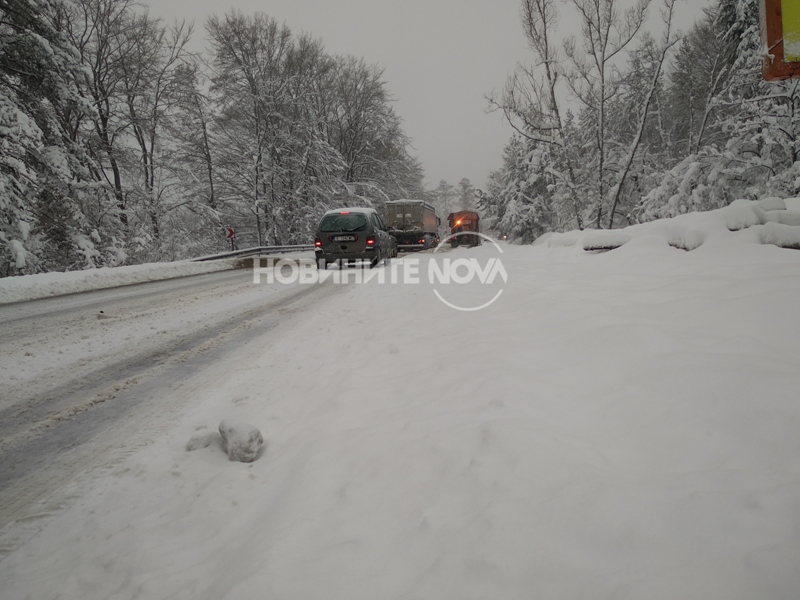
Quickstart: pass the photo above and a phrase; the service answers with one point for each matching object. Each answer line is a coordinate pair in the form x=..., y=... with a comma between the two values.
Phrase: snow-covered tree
x=41, y=225
x=149, y=78
x=518, y=203
x=274, y=162
x=741, y=133
x=763, y=128
x=444, y=198
x=689, y=117
x=368, y=133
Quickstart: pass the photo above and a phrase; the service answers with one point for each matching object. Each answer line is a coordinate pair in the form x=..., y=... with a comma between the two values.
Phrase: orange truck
x=462, y=223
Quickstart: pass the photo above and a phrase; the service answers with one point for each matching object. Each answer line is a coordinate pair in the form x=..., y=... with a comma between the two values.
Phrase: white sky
x=441, y=57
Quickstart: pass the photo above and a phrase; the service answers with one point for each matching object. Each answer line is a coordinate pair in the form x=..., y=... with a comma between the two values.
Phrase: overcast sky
x=440, y=59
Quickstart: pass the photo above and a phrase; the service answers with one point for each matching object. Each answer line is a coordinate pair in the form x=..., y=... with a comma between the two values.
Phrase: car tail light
x=371, y=240
x=421, y=242
x=317, y=243
x=345, y=212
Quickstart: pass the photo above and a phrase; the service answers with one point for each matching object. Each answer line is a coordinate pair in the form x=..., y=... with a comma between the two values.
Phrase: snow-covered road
x=83, y=370
x=617, y=425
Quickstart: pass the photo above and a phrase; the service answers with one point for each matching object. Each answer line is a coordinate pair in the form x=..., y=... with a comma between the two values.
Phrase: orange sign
x=780, y=33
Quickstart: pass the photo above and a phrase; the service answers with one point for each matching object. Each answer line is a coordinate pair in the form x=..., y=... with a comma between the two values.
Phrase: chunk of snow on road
x=241, y=441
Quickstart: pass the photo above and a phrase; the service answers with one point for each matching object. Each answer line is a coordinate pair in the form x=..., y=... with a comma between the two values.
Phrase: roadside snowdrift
x=44, y=285
x=769, y=221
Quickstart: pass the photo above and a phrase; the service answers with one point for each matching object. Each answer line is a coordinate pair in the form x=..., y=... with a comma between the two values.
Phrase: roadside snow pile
x=769, y=221
x=785, y=236
x=44, y=285
x=772, y=203
x=605, y=240
x=742, y=214
x=686, y=239
x=777, y=225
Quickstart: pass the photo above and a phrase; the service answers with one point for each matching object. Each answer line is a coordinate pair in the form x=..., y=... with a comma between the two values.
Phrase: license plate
x=344, y=238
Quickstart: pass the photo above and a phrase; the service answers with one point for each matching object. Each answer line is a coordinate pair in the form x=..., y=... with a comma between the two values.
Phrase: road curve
x=89, y=370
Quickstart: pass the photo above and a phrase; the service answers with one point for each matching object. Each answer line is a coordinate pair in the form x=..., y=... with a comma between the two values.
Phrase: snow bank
x=43, y=285
x=605, y=240
x=742, y=214
x=769, y=221
x=772, y=203
x=686, y=239
x=785, y=236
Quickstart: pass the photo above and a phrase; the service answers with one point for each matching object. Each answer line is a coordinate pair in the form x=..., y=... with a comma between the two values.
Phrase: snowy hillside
x=618, y=424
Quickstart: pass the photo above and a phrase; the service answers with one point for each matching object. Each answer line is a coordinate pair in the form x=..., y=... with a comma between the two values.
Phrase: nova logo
x=489, y=273
x=472, y=283
x=463, y=270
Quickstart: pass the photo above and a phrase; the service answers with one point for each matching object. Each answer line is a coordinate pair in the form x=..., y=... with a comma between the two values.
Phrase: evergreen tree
x=41, y=226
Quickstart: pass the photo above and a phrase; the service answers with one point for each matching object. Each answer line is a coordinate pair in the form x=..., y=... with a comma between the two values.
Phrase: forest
x=120, y=145
x=628, y=123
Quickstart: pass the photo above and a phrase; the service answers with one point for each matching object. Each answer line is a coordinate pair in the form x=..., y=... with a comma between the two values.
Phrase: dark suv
x=351, y=234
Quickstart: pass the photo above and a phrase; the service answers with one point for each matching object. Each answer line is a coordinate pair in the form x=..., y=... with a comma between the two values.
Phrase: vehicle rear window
x=339, y=222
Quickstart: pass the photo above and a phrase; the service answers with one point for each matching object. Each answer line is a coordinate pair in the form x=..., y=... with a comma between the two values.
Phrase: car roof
x=361, y=209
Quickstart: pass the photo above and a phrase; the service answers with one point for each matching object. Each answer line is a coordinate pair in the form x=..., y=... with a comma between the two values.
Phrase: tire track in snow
x=96, y=421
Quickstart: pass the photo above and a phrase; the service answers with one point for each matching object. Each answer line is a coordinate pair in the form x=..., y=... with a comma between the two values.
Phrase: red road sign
x=231, y=232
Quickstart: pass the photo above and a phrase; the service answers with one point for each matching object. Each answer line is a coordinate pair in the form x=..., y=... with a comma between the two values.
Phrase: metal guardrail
x=259, y=251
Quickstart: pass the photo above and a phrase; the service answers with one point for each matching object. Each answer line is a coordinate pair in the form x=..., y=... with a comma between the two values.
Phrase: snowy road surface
x=84, y=370
x=617, y=425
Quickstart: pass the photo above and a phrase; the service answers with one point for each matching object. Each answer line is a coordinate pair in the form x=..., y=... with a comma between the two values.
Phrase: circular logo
x=467, y=271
